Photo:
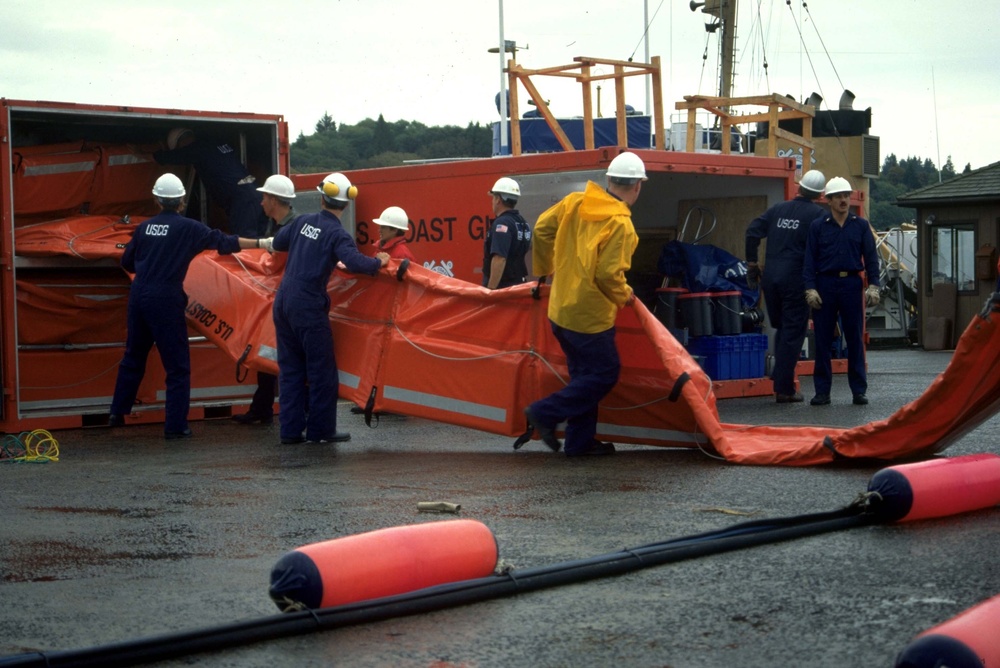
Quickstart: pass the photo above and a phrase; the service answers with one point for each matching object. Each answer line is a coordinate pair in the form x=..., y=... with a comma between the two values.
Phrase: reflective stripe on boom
x=126, y=159
x=449, y=404
x=646, y=434
x=62, y=168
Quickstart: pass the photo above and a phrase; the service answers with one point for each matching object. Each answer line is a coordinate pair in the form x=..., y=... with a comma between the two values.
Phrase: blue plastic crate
x=719, y=355
x=730, y=357
x=754, y=354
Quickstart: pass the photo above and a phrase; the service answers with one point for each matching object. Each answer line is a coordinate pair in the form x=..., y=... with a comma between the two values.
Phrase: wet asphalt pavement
x=129, y=536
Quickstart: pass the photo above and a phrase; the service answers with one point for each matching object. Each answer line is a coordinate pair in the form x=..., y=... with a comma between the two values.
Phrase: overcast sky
x=928, y=69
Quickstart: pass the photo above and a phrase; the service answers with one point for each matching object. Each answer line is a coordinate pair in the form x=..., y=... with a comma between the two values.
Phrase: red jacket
x=397, y=249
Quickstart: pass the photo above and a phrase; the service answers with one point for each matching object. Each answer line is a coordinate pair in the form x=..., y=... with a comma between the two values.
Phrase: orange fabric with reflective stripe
x=73, y=308
x=53, y=180
x=456, y=352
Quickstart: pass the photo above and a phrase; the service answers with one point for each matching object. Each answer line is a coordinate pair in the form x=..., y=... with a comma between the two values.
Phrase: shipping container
x=68, y=174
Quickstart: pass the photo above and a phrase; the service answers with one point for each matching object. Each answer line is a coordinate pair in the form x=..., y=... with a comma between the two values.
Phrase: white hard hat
x=506, y=187
x=393, y=217
x=337, y=186
x=838, y=184
x=813, y=181
x=278, y=185
x=174, y=137
x=627, y=166
x=169, y=186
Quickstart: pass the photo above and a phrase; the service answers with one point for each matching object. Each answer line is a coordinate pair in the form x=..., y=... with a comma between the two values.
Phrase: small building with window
x=958, y=225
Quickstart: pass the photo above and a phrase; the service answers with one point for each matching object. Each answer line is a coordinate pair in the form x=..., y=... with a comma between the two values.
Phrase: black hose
x=158, y=648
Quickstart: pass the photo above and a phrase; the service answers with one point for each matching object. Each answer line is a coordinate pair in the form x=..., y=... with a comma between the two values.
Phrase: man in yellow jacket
x=586, y=243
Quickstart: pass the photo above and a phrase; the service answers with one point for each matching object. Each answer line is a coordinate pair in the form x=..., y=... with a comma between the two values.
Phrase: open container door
x=75, y=180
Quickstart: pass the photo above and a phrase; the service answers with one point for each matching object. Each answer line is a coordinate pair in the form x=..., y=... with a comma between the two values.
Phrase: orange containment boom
x=415, y=342
x=382, y=563
x=85, y=237
x=418, y=343
x=969, y=640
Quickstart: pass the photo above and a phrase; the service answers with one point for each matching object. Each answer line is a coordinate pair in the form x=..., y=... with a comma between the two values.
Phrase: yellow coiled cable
x=38, y=446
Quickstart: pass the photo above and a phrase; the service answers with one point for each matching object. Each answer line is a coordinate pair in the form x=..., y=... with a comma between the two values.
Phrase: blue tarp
x=537, y=137
x=706, y=268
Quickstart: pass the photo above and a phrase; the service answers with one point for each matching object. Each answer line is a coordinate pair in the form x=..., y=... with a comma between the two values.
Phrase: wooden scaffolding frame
x=581, y=71
x=779, y=108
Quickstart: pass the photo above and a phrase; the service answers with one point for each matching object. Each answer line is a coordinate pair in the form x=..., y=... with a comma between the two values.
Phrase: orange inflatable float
x=938, y=488
x=969, y=640
x=382, y=563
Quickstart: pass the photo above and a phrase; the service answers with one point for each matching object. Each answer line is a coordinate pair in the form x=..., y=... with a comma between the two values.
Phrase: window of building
x=953, y=255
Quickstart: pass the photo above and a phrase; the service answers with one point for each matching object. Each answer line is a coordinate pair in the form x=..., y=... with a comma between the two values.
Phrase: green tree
x=385, y=140
x=361, y=137
x=409, y=135
x=948, y=171
x=911, y=173
x=326, y=124
x=378, y=143
x=899, y=177
x=882, y=210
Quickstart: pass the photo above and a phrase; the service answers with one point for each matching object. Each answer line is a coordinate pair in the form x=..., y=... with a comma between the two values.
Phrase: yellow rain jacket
x=586, y=241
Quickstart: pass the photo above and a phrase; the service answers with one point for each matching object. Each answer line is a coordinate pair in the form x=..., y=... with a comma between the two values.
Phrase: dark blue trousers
x=593, y=363
x=246, y=217
x=784, y=297
x=263, y=397
x=307, y=369
x=843, y=298
x=156, y=315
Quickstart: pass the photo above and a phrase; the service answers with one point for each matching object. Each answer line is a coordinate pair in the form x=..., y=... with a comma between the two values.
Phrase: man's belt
x=838, y=274
x=246, y=180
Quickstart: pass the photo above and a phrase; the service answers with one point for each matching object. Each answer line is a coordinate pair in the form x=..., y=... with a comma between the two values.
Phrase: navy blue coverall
x=835, y=257
x=227, y=181
x=262, y=404
x=314, y=242
x=509, y=237
x=786, y=227
x=159, y=254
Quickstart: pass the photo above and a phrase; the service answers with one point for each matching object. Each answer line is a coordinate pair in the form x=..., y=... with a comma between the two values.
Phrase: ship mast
x=724, y=12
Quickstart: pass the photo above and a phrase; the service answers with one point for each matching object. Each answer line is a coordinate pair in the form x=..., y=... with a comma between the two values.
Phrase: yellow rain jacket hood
x=586, y=241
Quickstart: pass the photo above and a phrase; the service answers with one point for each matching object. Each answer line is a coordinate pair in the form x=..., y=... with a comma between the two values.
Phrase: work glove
x=812, y=298
x=871, y=295
x=267, y=244
x=753, y=275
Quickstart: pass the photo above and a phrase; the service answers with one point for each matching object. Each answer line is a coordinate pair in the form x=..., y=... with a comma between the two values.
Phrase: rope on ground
x=36, y=447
